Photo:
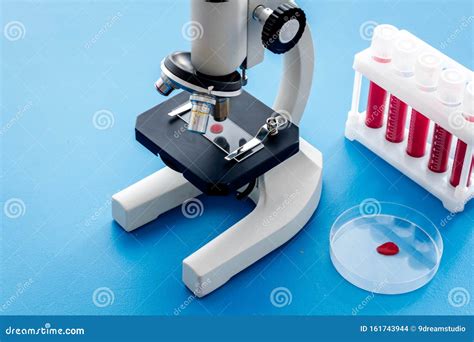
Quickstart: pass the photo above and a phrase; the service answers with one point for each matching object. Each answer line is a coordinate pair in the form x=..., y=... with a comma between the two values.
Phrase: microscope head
x=209, y=95
x=224, y=41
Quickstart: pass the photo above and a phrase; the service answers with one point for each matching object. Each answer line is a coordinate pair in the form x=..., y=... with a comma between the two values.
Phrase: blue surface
x=77, y=58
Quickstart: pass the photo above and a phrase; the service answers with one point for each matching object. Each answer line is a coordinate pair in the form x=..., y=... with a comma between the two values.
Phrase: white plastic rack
x=406, y=89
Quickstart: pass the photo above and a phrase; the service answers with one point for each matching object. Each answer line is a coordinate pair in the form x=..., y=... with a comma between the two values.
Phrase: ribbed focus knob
x=283, y=28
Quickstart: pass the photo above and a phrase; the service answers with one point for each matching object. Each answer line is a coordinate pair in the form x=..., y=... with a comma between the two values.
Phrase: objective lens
x=164, y=86
x=202, y=107
x=222, y=108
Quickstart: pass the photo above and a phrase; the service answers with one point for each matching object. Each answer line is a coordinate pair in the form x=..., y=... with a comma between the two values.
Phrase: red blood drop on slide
x=217, y=128
x=388, y=248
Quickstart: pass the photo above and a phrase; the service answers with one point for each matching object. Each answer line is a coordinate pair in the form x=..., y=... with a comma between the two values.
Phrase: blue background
x=65, y=170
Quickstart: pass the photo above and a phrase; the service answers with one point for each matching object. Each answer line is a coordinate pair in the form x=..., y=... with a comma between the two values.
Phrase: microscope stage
x=200, y=161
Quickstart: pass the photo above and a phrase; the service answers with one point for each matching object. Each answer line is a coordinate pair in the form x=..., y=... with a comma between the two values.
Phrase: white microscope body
x=287, y=195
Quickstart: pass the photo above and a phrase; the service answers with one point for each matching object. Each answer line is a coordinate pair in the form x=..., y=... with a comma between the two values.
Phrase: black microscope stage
x=200, y=161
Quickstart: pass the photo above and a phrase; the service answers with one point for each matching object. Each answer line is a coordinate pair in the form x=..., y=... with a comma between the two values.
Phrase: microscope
x=215, y=138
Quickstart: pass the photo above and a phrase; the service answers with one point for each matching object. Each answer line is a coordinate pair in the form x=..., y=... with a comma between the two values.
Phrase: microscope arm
x=297, y=78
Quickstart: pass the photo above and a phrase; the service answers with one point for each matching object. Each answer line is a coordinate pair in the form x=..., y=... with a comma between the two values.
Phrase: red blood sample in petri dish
x=388, y=248
x=397, y=115
x=418, y=133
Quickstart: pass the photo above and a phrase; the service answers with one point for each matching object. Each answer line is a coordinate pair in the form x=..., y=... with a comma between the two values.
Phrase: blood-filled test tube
x=440, y=147
x=450, y=93
x=382, y=48
x=461, y=148
x=375, y=106
x=458, y=163
x=427, y=69
x=404, y=56
x=417, y=134
x=397, y=116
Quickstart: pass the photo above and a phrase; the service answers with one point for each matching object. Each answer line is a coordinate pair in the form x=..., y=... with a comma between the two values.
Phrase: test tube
x=382, y=48
x=450, y=93
x=461, y=148
x=427, y=69
x=404, y=57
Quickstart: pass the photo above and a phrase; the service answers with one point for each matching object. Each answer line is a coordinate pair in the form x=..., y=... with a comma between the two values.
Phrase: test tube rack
x=451, y=119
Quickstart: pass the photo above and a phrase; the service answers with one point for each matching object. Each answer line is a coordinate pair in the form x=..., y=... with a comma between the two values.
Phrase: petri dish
x=357, y=234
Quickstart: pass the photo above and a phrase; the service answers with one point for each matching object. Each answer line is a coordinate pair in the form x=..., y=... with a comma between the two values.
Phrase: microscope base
x=150, y=197
x=286, y=197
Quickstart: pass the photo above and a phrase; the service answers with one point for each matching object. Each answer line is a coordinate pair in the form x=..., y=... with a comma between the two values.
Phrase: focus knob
x=283, y=28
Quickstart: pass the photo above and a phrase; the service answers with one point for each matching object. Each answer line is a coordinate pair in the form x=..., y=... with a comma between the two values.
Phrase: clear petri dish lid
x=385, y=247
